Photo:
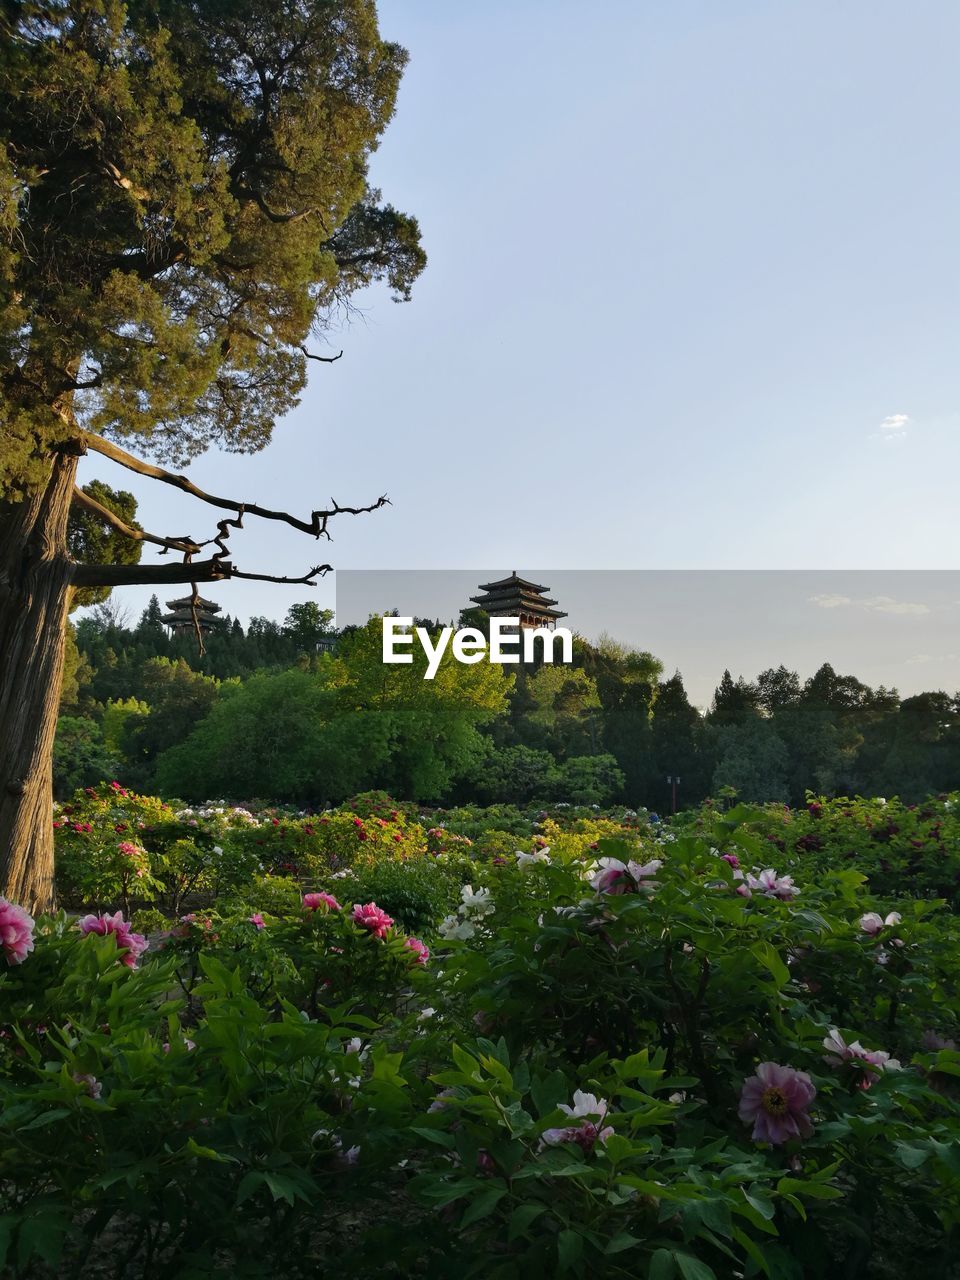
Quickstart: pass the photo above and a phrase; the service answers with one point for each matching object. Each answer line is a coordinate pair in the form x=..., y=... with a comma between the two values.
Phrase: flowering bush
x=903, y=850
x=666, y=1053
x=130, y=945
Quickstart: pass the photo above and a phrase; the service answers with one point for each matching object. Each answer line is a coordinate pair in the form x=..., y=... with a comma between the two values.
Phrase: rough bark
x=35, y=589
x=37, y=580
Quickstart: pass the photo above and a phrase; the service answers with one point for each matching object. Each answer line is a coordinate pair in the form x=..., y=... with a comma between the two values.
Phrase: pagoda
x=180, y=619
x=515, y=597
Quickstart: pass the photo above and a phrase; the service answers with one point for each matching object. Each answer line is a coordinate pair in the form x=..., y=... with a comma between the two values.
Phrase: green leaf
x=41, y=1236
x=769, y=957
x=948, y=1153
x=439, y=1136
x=662, y=1265
x=752, y=1250
x=812, y=1190
x=249, y=1185
x=569, y=1248
x=548, y=1091
x=692, y=1268
x=762, y=1203
x=622, y=1241
x=284, y=1188
x=522, y=1217
x=912, y=1154
x=485, y=1203
x=466, y=1062
x=207, y=1153
x=617, y=1148
x=45, y=1118
x=499, y=1072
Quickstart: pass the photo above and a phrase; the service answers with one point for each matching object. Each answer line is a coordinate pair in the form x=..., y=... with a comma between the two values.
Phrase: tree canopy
x=184, y=198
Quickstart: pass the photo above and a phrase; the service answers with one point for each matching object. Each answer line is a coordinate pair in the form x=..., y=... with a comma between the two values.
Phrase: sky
x=691, y=303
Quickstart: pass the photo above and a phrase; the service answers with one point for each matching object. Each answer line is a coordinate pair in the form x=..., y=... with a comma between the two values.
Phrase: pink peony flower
x=775, y=1102
x=871, y=923
x=370, y=916
x=741, y=887
x=16, y=932
x=316, y=901
x=421, y=951
x=616, y=877
x=842, y=1054
x=773, y=886
x=132, y=944
x=257, y=920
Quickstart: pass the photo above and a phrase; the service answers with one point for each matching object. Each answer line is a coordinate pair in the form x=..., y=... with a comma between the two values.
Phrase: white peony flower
x=476, y=902
x=452, y=928
x=529, y=859
x=585, y=1104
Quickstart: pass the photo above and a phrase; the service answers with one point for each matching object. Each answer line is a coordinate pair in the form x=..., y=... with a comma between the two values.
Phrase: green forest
x=267, y=712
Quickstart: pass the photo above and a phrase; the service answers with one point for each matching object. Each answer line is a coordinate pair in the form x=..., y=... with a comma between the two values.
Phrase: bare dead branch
x=321, y=359
x=125, y=575
x=223, y=533
x=316, y=526
x=194, y=602
x=192, y=572
x=308, y=579
x=185, y=544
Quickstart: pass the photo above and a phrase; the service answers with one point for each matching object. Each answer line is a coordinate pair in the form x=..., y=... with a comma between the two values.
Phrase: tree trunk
x=35, y=590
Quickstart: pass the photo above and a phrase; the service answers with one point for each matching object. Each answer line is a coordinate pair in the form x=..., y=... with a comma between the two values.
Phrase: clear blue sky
x=692, y=302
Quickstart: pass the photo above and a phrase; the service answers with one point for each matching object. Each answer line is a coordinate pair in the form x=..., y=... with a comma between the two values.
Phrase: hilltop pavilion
x=180, y=617
x=516, y=597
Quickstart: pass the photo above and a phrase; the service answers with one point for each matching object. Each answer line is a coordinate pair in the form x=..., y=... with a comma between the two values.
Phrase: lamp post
x=673, y=782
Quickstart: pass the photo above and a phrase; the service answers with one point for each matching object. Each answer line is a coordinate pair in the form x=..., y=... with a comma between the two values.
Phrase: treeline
x=265, y=713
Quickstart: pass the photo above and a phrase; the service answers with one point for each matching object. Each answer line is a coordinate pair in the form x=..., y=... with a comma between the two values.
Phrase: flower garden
x=485, y=1042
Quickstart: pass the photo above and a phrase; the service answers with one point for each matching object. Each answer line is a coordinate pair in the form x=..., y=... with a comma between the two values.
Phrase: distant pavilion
x=180, y=618
x=515, y=597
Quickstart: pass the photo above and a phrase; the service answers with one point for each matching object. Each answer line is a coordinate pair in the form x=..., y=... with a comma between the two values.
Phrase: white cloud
x=886, y=604
x=873, y=604
x=895, y=426
x=829, y=601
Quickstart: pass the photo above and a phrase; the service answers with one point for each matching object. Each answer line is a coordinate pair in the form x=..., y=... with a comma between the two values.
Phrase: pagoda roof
x=512, y=611
x=181, y=615
x=187, y=602
x=515, y=595
x=513, y=581
x=523, y=599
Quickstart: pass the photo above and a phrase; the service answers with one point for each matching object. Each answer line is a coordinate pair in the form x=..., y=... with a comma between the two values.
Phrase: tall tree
x=734, y=701
x=677, y=746
x=306, y=624
x=183, y=201
x=777, y=688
